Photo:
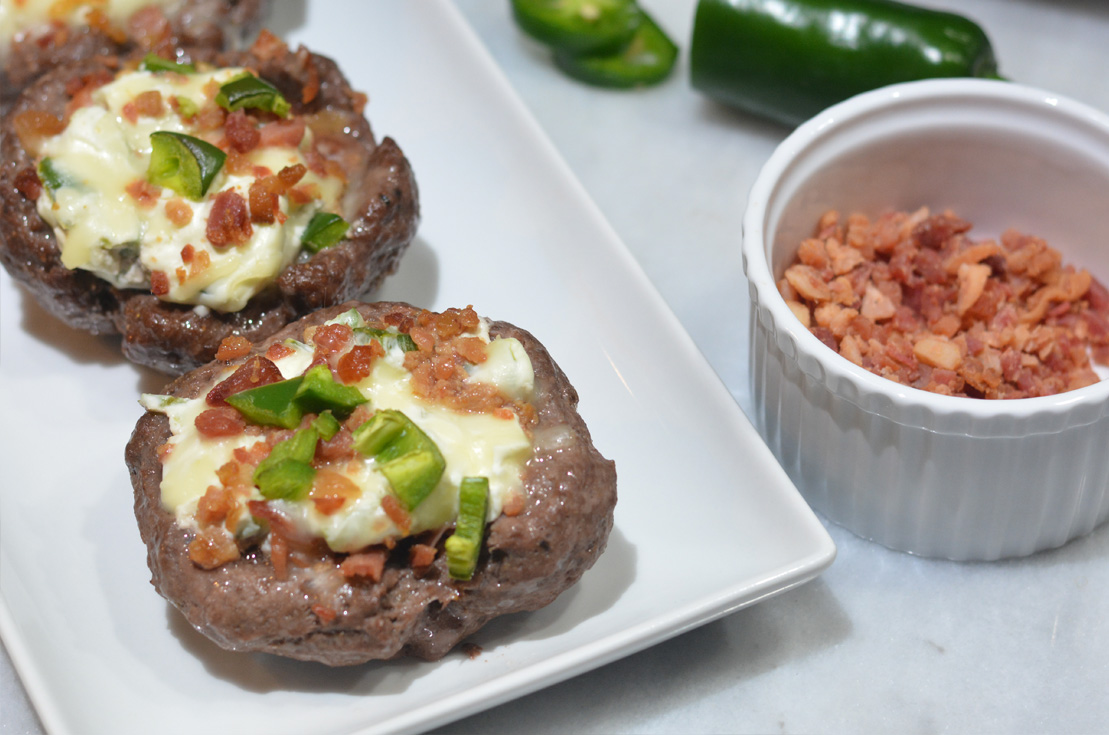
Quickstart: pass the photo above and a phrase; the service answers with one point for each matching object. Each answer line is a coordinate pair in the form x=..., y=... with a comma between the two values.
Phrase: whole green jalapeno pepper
x=789, y=59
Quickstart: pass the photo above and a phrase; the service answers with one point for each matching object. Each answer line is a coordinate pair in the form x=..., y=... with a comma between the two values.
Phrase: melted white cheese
x=103, y=229
x=472, y=444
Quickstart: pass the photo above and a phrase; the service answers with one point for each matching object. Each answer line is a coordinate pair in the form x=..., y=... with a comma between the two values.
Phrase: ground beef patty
x=527, y=559
x=210, y=23
x=381, y=205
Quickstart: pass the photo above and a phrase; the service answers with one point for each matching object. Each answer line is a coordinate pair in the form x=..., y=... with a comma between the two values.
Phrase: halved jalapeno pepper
x=183, y=163
x=578, y=26
x=647, y=59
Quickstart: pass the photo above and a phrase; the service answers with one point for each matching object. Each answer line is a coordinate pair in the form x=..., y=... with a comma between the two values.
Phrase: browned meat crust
x=528, y=560
x=381, y=205
x=210, y=23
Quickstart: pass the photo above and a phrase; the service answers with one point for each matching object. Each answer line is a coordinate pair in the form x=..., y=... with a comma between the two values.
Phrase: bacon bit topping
x=255, y=372
x=301, y=195
x=179, y=213
x=212, y=547
x=268, y=46
x=28, y=184
x=219, y=422
x=216, y=505
x=337, y=448
x=331, y=490
x=98, y=20
x=181, y=273
x=421, y=556
x=396, y=513
x=264, y=193
x=928, y=307
x=164, y=451
x=438, y=367
x=324, y=613
x=210, y=117
x=514, y=505
x=34, y=126
x=159, y=283
x=233, y=347
x=277, y=350
x=357, y=363
x=251, y=457
x=144, y=193
x=369, y=564
x=229, y=222
x=312, y=85
x=149, y=27
x=332, y=338
x=145, y=104
x=287, y=132
x=279, y=554
x=242, y=133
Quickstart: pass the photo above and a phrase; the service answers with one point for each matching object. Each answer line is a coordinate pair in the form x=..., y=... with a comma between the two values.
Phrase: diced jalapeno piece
x=248, y=91
x=52, y=178
x=186, y=108
x=327, y=425
x=153, y=62
x=183, y=163
x=323, y=230
x=270, y=405
x=389, y=339
x=287, y=473
x=414, y=475
x=319, y=392
x=464, y=545
x=406, y=456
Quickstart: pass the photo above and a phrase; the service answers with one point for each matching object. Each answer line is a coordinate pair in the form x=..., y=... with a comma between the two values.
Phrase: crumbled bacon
x=144, y=193
x=229, y=221
x=34, y=126
x=148, y=27
x=233, y=347
x=332, y=338
x=369, y=564
x=159, y=283
x=926, y=306
x=98, y=20
x=396, y=513
x=28, y=184
x=209, y=117
x=277, y=350
x=268, y=46
x=145, y=104
x=212, y=547
x=324, y=613
x=421, y=556
x=178, y=212
x=242, y=133
x=357, y=362
x=220, y=421
x=264, y=193
x=331, y=490
x=255, y=372
x=287, y=132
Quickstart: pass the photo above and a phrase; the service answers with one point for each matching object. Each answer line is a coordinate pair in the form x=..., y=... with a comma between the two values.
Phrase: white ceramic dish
x=507, y=229
x=935, y=475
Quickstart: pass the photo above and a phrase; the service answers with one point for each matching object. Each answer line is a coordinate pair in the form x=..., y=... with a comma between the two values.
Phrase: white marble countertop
x=882, y=641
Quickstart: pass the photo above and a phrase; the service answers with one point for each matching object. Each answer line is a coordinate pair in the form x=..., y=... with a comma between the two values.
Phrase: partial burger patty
x=527, y=559
x=216, y=24
x=381, y=205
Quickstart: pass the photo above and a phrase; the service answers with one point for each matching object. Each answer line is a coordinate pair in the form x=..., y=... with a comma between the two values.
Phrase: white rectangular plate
x=706, y=522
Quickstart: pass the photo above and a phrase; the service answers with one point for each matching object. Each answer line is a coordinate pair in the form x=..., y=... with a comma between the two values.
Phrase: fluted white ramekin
x=934, y=475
